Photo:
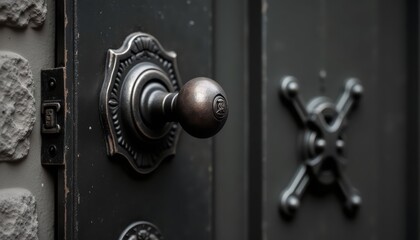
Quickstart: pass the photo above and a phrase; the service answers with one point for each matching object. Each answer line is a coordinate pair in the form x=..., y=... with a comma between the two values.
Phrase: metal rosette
x=122, y=141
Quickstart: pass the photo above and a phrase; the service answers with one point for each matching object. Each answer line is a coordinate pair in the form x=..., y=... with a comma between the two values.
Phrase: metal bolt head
x=353, y=203
x=292, y=88
x=356, y=200
x=357, y=90
x=52, y=82
x=52, y=150
x=293, y=203
x=340, y=144
x=320, y=144
x=289, y=87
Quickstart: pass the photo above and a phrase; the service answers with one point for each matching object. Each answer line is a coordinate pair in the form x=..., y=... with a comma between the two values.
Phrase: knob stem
x=160, y=108
x=200, y=107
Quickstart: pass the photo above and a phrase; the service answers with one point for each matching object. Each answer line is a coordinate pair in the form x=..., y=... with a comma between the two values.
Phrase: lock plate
x=323, y=144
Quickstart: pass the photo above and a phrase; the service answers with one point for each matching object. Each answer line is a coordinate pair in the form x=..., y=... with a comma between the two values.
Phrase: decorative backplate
x=141, y=231
x=138, y=51
x=323, y=144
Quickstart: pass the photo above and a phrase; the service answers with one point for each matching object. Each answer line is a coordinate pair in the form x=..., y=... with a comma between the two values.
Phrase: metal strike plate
x=141, y=231
x=52, y=116
x=323, y=144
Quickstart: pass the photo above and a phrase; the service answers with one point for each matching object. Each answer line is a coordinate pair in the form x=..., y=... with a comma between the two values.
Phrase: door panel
x=322, y=44
x=254, y=46
x=109, y=195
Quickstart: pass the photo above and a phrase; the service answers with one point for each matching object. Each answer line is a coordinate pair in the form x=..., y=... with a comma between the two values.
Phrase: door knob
x=200, y=106
x=142, y=100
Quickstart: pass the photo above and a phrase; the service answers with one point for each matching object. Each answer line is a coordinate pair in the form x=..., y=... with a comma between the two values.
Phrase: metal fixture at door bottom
x=141, y=231
x=323, y=144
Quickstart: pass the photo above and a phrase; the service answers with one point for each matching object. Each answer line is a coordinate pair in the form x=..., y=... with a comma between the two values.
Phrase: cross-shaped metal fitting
x=323, y=143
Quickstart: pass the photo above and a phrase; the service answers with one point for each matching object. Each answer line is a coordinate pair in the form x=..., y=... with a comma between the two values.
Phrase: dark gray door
x=231, y=186
x=103, y=195
x=323, y=44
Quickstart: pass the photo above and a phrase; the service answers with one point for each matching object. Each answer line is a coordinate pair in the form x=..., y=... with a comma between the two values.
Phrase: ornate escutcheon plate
x=139, y=50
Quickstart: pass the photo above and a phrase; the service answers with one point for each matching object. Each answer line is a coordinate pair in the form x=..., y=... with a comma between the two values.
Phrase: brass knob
x=200, y=106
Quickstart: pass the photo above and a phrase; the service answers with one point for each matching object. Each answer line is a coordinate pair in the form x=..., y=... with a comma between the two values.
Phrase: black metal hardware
x=49, y=111
x=140, y=103
x=323, y=122
x=200, y=107
x=52, y=116
x=141, y=231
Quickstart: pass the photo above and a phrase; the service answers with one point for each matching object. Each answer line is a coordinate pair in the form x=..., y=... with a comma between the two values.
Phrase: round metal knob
x=150, y=103
x=201, y=107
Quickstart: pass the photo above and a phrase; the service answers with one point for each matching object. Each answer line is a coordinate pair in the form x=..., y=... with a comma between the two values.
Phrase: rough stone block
x=18, y=218
x=17, y=108
x=21, y=13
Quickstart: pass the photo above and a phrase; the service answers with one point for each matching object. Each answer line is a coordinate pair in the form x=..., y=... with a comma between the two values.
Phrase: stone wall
x=18, y=218
x=21, y=13
x=26, y=188
x=18, y=106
